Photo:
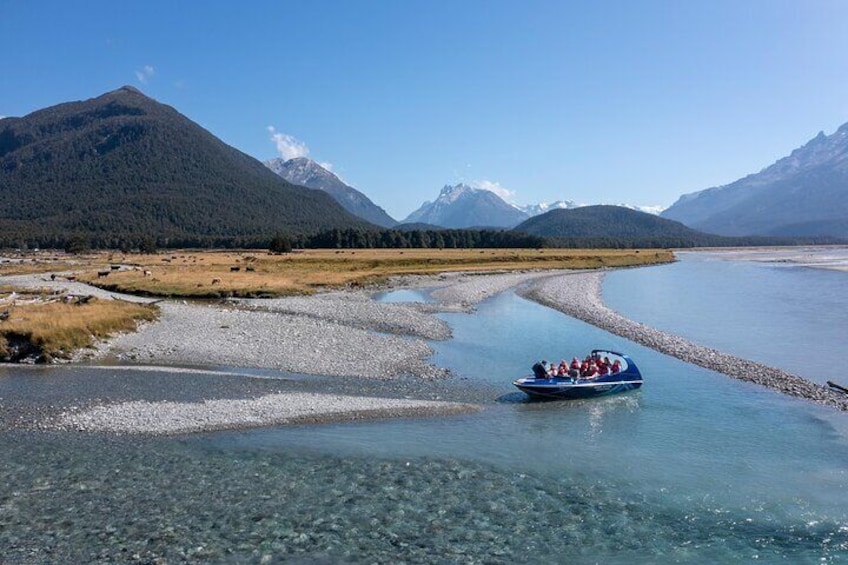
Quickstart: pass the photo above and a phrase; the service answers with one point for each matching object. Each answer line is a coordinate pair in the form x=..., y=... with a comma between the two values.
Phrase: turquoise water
x=694, y=467
x=403, y=295
x=791, y=317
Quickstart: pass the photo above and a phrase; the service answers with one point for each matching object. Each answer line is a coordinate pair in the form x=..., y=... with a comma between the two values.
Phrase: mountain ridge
x=304, y=171
x=602, y=220
x=461, y=206
x=802, y=194
x=122, y=166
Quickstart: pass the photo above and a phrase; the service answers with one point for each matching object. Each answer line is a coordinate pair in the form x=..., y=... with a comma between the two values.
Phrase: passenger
x=553, y=370
x=539, y=370
x=616, y=367
x=575, y=364
x=603, y=369
x=562, y=371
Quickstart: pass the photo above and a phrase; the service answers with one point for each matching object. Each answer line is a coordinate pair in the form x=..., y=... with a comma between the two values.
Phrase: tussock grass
x=57, y=329
x=211, y=274
x=190, y=274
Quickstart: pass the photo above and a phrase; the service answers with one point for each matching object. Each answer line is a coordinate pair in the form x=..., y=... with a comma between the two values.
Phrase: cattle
x=102, y=274
x=235, y=269
x=148, y=273
x=250, y=269
x=216, y=281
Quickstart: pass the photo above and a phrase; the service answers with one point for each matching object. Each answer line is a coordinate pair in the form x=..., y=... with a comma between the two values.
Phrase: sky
x=632, y=102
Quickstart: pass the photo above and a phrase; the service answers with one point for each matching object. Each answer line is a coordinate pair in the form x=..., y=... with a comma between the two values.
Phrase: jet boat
x=566, y=387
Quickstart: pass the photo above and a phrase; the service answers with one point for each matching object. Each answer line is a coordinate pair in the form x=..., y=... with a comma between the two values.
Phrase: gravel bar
x=37, y=281
x=579, y=296
x=357, y=310
x=167, y=418
x=333, y=334
x=468, y=290
x=198, y=334
x=338, y=334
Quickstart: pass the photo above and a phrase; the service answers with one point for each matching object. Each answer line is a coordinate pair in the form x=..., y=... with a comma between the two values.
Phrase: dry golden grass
x=56, y=329
x=212, y=273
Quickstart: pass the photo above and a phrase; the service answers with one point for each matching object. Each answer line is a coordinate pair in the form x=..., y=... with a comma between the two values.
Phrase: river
x=695, y=466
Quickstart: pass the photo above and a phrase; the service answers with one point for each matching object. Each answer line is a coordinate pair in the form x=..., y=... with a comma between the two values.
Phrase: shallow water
x=404, y=295
x=780, y=314
x=693, y=467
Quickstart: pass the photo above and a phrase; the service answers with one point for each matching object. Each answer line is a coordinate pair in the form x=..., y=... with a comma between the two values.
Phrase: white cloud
x=288, y=146
x=496, y=187
x=145, y=74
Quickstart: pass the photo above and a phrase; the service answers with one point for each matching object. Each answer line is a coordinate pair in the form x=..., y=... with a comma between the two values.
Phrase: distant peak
x=301, y=160
x=456, y=188
x=130, y=89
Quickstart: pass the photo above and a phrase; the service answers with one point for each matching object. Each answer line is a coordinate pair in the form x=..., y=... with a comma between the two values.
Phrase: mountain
x=462, y=206
x=306, y=172
x=405, y=227
x=655, y=210
x=601, y=222
x=804, y=194
x=122, y=166
x=536, y=209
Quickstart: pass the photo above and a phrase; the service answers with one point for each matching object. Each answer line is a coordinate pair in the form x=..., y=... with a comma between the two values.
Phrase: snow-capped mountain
x=306, y=172
x=461, y=206
x=804, y=194
x=655, y=210
x=542, y=207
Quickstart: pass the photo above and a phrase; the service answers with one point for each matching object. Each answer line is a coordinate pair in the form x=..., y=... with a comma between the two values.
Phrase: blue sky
x=597, y=102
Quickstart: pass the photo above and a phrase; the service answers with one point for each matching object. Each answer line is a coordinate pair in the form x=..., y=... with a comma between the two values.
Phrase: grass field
x=45, y=326
x=212, y=274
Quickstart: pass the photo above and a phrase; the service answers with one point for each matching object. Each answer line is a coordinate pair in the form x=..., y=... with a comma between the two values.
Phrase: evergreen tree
x=280, y=244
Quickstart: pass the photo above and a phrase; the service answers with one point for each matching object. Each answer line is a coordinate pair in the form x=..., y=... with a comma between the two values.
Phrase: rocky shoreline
x=337, y=334
x=579, y=296
x=349, y=335
x=167, y=417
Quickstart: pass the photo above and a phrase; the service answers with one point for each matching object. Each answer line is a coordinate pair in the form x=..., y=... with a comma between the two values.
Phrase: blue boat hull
x=567, y=388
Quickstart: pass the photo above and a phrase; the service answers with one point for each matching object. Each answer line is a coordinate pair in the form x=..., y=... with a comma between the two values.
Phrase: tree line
x=354, y=238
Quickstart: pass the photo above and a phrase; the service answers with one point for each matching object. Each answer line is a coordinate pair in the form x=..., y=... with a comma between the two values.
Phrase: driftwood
x=119, y=299
x=840, y=388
